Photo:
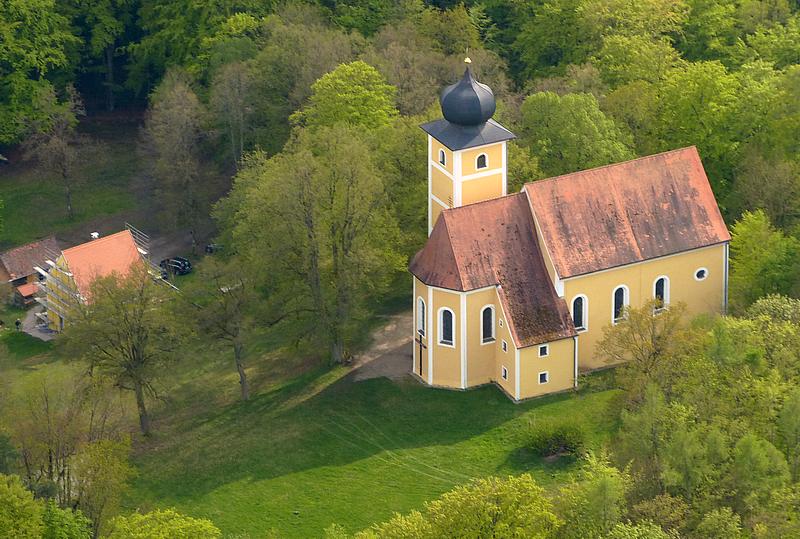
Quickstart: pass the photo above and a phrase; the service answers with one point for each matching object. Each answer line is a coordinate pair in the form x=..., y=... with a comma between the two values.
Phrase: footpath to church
x=389, y=355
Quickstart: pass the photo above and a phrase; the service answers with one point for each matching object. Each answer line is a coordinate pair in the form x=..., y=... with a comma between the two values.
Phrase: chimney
x=95, y=235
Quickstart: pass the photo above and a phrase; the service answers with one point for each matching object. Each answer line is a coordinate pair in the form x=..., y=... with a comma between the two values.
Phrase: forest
x=288, y=133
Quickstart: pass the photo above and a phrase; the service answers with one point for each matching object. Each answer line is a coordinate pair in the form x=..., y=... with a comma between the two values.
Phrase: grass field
x=297, y=459
x=316, y=448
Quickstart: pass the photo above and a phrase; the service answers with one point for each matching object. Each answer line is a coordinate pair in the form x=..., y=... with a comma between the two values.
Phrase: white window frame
x=666, y=292
x=703, y=278
x=546, y=378
x=439, y=321
x=504, y=345
x=422, y=312
x=585, y=313
x=626, y=302
x=442, y=157
x=478, y=157
x=546, y=350
x=504, y=373
x=493, y=337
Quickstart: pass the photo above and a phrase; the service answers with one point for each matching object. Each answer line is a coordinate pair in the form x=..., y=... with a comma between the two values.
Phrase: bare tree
x=54, y=142
x=230, y=101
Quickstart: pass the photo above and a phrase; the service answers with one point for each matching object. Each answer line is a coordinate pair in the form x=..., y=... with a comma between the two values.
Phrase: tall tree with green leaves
x=570, y=132
x=354, y=93
x=20, y=514
x=162, y=524
x=332, y=240
x=34, y=38
x=763, y=261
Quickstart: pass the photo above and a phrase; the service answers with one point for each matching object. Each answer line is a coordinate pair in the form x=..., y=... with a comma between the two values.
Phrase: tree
x=645, y=530
x=624, y=59
x=776, y=308
x=55, y=144
x=172, y=135
x=332, y=240
x=692, y=458
x=225, y=308
x=161, y=524
x=34, y=38
x=354, y=93
x=770, y=185
x=502, y=508
x=124, y=335
x=758, y=469
x=763, y=260
x=720, y=523
x=230, y=102
x=789, y=429
x=64, y=523
x=20, y=514
x=8, y=454
x=451, y=30
x=648, y=345
x=102, y=472
x=571, y=133
x=593, y=504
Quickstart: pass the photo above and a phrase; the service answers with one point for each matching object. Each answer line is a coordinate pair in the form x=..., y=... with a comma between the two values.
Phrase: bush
x=548, y=439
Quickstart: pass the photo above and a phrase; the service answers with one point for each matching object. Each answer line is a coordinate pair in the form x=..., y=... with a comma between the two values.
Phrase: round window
x=700, y=274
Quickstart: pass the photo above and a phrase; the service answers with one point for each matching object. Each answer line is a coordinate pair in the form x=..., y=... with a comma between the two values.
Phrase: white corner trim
x=463, y=341
x=516, y=373
x=430, y=341
x=725, y=269
x=457, y=179
x=575, y=360
x=504, y=167
x=430, y=185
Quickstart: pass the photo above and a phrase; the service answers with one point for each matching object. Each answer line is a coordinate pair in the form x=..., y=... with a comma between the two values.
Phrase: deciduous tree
x=162, y=524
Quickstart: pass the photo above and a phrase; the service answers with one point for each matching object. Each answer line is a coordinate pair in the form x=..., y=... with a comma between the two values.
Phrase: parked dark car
x=177, y=265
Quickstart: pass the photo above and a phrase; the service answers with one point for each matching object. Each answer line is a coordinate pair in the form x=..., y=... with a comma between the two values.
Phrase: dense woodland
x=291, y=130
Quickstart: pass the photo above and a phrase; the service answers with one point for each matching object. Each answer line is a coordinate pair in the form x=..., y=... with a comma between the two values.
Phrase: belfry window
x=442, y=158
x=446, y=327
x=487, y=324
x=620, y=298
x=661, y=293
x=482, y=161
x=421, y=316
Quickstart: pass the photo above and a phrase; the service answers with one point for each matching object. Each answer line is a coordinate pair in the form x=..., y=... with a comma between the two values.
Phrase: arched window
x=620, y=299
x=661, y=292
x=421, y=316
x=446, y=335
x=482, y=161
x=579, y=313
x=487, y=324
x=442, y=158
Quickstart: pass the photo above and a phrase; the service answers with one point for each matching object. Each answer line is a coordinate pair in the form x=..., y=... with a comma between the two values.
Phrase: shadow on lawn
x=317, y=420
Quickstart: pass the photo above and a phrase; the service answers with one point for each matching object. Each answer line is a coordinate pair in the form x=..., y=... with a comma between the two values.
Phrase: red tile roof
x=494, y=243
x=116, y=254
x=20, y=261
x=624, y=213
x=27, y=289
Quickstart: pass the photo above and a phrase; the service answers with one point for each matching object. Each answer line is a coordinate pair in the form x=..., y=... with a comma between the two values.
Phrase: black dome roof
x=467, y=102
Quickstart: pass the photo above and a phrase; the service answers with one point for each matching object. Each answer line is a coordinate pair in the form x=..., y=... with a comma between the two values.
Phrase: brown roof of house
x=494, y=243
x=116, y=254
x=624, y=213
x=27, y=290
x=20, y=261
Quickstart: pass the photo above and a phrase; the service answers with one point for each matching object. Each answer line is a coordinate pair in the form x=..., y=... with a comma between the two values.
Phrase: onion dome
x=467, y=102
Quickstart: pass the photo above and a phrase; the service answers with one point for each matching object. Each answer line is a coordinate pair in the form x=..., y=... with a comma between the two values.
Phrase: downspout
x=725, y=285
x=575, y=360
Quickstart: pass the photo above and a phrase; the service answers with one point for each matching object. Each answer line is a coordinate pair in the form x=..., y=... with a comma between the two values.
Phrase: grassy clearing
x=322, y=449
x=34, y=204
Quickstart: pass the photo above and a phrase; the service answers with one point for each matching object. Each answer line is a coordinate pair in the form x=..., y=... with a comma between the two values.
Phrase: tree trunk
x=68, y=194
x=238, y=353
x=144, y=418
x=109, y=52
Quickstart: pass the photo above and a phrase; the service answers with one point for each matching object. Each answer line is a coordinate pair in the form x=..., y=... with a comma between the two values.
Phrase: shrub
x=548, y=439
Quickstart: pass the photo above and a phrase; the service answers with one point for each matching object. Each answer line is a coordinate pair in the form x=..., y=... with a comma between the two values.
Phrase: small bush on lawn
x=549, y=439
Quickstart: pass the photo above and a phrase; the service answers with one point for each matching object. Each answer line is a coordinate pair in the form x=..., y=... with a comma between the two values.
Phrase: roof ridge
x=487, y=201
x=101, y=239
x=611, y=165
x=452, y=251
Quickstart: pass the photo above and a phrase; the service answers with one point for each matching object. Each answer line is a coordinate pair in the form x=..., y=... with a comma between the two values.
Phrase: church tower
x=467, y=153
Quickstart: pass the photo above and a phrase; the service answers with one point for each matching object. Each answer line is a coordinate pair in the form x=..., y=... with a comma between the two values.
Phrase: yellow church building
x=515, y=289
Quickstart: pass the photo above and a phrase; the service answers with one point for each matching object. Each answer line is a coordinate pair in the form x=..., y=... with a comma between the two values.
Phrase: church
x=515, y=289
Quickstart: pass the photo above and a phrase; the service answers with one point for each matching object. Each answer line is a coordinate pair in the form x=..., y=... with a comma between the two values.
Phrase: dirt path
x=390, y=352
